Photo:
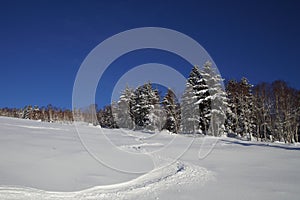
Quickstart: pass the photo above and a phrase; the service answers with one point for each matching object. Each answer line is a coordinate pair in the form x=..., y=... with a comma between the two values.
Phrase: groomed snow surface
x=49, y=161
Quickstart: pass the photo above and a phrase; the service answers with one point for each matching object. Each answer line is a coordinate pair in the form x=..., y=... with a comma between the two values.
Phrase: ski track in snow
x=50, y=158
x=139, y=147
x=178, y=173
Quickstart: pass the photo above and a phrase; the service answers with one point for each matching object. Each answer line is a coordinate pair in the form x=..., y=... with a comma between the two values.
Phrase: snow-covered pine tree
x=106, y=118
x=201, y=90
x=137, y=112
x=189, y=110
x=146, y=109
x=193, y=115
x=246, y=116
x=171, y=108
x=124, y=115
x=157, y=115
x=231, y=122
x=241, y=118
x=141, y=107
x=216, y=102
x=27, y=112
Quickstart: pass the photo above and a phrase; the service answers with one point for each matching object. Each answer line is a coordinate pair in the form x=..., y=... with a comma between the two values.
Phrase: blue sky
x=43, y=43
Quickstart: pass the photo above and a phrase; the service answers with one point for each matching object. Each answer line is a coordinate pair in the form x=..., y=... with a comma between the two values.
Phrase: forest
x=262, y=112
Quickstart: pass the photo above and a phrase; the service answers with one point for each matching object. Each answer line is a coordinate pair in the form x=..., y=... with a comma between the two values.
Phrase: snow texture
x=47, y=161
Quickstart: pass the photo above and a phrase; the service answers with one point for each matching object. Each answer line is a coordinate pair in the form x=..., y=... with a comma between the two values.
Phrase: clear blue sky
x=42, y=43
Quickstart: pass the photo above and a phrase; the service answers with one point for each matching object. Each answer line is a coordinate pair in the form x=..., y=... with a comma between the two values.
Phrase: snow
x=48, y=161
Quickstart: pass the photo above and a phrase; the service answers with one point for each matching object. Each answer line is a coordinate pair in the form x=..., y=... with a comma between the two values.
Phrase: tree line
x=47, y=114
x=269, y=112
x=265, y=112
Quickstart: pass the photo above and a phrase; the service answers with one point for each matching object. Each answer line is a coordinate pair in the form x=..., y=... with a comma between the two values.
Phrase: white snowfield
x=48, y=161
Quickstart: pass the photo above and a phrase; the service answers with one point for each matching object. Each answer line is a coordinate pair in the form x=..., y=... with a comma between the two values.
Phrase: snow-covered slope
x=49, y=161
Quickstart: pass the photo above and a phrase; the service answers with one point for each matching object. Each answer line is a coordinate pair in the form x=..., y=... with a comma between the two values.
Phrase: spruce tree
x=124, y=115
x=214, y=101
x=246, y=116
x=189, y=110
x=231, y=122
x=192, y=112
x=170, y=106
x=146, y=109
